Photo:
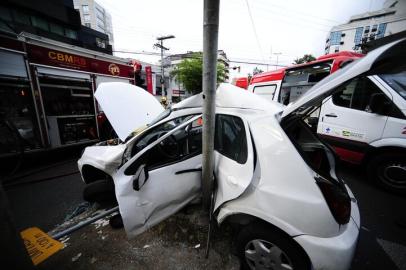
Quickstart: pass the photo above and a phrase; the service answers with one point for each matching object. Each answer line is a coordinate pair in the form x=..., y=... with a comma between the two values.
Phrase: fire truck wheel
x=388, y=170
x=100, y=191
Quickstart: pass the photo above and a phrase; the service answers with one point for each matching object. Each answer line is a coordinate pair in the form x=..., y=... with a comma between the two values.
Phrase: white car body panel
x=282, y=191
x=126, y=101
x=105, y=158
x=163, y=194
x=232, y=177
x=333, y=253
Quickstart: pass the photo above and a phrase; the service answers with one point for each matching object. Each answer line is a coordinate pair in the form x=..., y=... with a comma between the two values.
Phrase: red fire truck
x=287, y=84
x=46, y=92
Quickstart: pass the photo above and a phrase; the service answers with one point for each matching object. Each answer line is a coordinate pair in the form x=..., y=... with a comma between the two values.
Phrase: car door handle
x=189, y=171
x=330, y=115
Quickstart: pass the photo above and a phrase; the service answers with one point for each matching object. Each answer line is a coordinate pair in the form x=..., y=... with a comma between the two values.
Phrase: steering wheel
x=169, y=147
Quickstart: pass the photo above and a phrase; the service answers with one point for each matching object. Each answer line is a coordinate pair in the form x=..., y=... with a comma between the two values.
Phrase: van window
x=265, y=89
x=397, y=82
x=230, y=139
x=356, y=94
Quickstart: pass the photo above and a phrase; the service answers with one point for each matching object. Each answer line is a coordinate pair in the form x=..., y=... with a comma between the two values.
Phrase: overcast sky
x=289, y=27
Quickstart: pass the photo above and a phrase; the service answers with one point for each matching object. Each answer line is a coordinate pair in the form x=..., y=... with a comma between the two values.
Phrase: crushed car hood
x=127, y=106
x=381, y=60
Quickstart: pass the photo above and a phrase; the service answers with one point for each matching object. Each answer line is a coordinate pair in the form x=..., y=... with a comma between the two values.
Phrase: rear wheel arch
x=240, y=221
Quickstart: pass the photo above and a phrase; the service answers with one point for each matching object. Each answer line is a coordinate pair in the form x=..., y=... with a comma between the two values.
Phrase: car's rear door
x=234, y=156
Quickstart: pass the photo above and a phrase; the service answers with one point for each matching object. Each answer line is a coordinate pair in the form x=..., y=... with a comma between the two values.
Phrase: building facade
x=52, y=19
x=95, y=16
x=366, y=27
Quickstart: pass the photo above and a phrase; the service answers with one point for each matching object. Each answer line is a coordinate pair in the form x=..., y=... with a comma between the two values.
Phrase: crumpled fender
x=106, y=158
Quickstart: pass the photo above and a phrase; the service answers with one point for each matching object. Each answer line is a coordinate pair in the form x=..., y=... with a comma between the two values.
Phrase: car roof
x=231, y=96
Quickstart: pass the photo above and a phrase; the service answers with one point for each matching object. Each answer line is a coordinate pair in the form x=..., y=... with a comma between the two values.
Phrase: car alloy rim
x=395, y=175
x=261, y=254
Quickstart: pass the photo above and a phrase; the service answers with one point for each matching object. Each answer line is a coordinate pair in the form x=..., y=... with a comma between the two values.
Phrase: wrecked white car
x=275, y=179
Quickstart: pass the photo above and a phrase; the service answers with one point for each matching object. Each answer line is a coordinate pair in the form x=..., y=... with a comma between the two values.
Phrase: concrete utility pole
x=277, y=59
x=161, y=46
x=210, y=43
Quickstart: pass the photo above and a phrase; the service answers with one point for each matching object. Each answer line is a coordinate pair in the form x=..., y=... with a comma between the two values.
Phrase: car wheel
x=389, y=171
x=116, y=221
x=261, y=246
x=100, y=191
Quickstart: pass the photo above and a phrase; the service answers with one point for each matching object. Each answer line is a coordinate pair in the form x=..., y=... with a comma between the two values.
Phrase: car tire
x=100, y=191
x=388, y=170
x=262, y=246
x=116, y=222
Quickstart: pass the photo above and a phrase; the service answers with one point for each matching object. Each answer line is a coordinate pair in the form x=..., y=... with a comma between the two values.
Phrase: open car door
x=161, y=178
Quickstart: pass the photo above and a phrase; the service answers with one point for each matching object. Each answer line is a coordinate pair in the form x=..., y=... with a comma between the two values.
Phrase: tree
x=189, y=73
x=305, y=59
x=257, y=71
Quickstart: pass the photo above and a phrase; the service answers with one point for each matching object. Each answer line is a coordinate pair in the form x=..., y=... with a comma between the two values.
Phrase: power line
x=249, y=62
x=254, y=29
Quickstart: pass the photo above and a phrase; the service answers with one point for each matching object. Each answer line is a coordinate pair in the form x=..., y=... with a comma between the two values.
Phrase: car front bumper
x=334, y=253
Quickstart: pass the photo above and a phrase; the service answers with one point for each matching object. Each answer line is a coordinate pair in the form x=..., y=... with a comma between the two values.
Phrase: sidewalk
x=177, y=243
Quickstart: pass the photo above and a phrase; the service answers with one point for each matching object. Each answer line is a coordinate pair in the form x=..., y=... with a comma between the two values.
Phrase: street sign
x=39, y=244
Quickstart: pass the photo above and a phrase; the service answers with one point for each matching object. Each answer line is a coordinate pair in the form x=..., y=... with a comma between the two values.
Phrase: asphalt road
x=57, y=191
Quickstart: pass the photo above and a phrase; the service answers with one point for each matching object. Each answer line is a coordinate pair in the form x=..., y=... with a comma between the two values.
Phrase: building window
x=88, y=25
x=335, y=38
x=85, y=9
x=5, y=14
x=71, y=33
x=86, y=18
x=381, y=30
x=20, y=17
x=337, y=49
x=366, y=31
x=374, y=28
x=56, y=29
x=358, y=35
x=40, y=23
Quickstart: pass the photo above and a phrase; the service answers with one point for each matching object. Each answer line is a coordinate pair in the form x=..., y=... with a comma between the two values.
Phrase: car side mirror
x=140, y=177
x=379, y=103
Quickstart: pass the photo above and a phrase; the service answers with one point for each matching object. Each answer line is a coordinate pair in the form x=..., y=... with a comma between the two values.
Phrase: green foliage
x=257, y=71
x=305, y=59
x=189, y=73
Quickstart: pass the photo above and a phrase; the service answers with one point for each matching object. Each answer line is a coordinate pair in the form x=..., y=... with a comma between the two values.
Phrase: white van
x=365, y=120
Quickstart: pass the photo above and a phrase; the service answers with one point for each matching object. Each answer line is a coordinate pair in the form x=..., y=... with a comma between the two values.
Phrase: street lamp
x=277, y=58
x=160, y=45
